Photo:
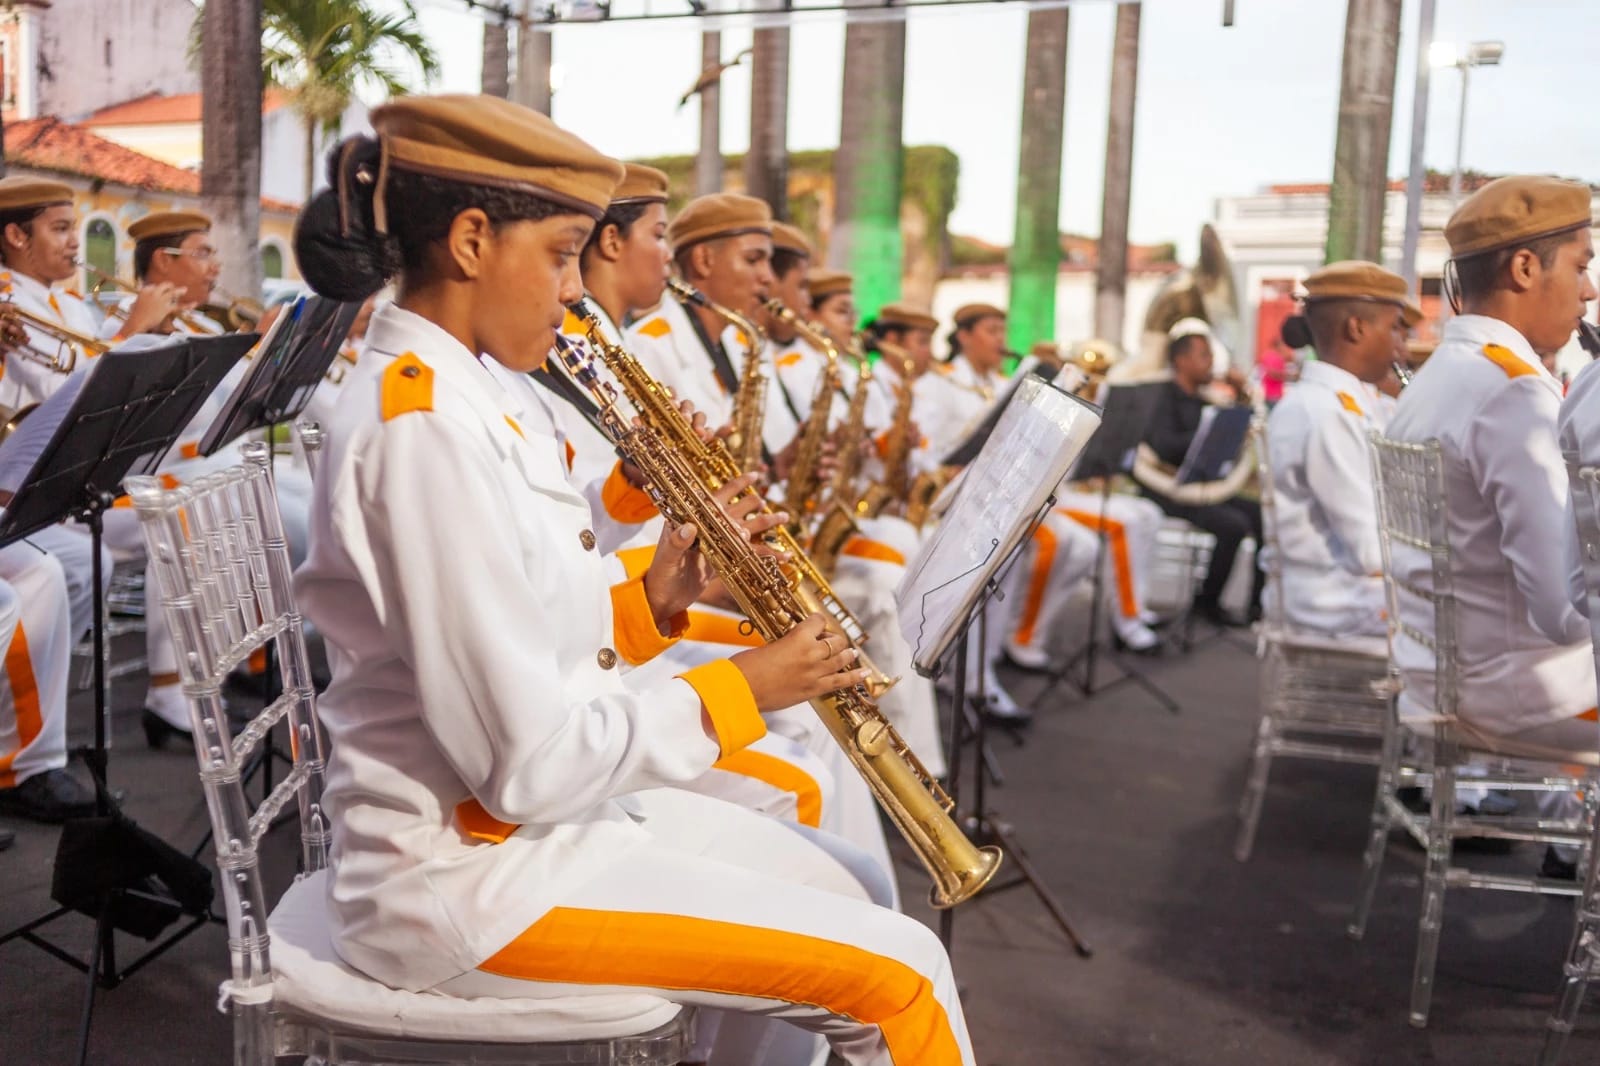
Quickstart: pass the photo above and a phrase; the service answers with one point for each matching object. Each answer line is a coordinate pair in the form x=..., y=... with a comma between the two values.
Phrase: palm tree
x=321, y=53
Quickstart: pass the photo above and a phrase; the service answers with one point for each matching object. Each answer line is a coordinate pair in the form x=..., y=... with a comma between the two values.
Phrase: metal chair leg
x=1255, y=790
x=1378, y=835
x=1578, y=969
x=1441, y=832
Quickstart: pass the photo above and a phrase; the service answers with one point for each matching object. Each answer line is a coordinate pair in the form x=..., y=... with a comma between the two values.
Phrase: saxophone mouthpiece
x=686, y=292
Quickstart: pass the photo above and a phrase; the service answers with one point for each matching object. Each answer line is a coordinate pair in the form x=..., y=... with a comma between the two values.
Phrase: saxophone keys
x=872, y=737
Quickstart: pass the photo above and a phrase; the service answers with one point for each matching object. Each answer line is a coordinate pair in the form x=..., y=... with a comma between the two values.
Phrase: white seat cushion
x=311, y=981
x=1368, y=647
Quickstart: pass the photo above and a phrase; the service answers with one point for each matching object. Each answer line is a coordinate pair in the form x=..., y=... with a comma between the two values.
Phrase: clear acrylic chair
x=223, y=574
x=1322, y=697
x=1412, y=518
x=1584, y=952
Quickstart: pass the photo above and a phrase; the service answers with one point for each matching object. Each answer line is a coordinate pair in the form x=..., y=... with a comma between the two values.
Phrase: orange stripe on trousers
x=1044, y=554
x=670, y=951
x=1121, y=561
x=780, y=774
x=25, y=698
x=708, y=627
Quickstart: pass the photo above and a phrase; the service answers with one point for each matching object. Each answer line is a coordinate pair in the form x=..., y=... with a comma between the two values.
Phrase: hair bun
x=1296, y=332
x=340, y=254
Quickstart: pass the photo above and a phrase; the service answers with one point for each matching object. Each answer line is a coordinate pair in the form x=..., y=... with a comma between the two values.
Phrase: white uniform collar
x=1337, y=378
x=32, y=287
x=1478, y=330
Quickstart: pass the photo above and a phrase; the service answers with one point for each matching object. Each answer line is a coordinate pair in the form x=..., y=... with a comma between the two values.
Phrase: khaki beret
x=168, y=224
x=1514, y=210
x=1096, y=354
x=789, y=238
x=720, y=214
x=484, y=140
x=968, y=314
x=1046, y=350
x=641, y=185
x=904, y=316
x=1354, y=279
x=822, y=283
x=18, y=193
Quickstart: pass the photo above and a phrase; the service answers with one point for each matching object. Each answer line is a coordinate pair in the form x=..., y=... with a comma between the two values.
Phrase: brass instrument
x=896, y=484
x=802, y=491
x=715, y=466
x=1402, y=372
x=104, y=281
x=853, y=434
x=750, y=402
x=69, y=342
x=914, y=801
x=236, y=314
x=924, y=490
x=11, y=418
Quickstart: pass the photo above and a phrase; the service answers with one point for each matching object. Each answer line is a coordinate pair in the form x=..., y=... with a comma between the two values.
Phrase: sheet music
x=1035, y=443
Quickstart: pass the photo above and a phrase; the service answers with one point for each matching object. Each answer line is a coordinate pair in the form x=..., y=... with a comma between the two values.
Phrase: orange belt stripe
x=1038, y=579
x=25, y=698
x=1121, y=561
x=781, y=775
x=677, y=952
x=864, y=548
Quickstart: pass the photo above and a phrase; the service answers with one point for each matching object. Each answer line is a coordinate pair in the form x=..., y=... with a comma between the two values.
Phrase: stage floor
x=1128, y=813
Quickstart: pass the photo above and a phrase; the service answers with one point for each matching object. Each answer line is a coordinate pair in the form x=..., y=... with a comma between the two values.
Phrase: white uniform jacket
x=475, y=693
x=25, y=381
x=1578, y=430
x=1493, y=408
x=1326, y=528
x=951, y=399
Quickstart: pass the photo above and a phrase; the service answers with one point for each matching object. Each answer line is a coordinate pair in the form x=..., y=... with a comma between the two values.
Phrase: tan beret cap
x=967, y=314
x=483, y=140
x=822, y=283
x=1354, y=279
x=720, y=214
x=1096, y=353
x=904, y=316
x=790, y=239
x=641, y=185
x=1512, y=210
x=18, y=193
x=1045, y=350
x=168, y=223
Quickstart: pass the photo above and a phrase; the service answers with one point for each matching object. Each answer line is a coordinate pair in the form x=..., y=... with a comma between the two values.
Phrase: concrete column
x=1366, y=114
x=1111, y=280
x=1036, y=244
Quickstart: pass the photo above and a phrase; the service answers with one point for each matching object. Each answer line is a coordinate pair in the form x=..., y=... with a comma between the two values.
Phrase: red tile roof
x=155, y=109
x=50, y=144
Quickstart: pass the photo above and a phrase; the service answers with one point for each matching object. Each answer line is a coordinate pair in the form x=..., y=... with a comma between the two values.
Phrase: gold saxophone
x=715, y=466
x=750, y=402
x=853, y=435
x=803, y=491
x=914, y=801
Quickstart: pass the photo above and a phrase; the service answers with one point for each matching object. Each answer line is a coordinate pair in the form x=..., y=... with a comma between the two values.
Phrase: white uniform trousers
x=38, y=647
x=1131, y=525
x=735, y=913
x=73, y=548
x=1060, y=555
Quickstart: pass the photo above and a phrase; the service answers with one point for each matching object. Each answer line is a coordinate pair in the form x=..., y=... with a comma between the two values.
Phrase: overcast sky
x=1221, y=111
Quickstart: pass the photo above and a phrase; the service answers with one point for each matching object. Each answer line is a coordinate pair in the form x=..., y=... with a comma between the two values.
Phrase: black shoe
x=1219, y=615
x=53, y=796
x=7, y=838
x=157, y=731
x=1556, y=868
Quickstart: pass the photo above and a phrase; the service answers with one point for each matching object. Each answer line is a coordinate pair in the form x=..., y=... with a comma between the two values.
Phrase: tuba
x=913, y=800
x=750, y=402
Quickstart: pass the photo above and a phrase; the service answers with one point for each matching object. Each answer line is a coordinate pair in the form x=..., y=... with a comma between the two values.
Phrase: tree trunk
x=230, y=138
x=1036, y=245
x=496, y=79
x=310, y=175
x=533, y=65
x=708, y=164
x=766, y=164
x=1366, y=113
x=869, y=171
x=1111, y=281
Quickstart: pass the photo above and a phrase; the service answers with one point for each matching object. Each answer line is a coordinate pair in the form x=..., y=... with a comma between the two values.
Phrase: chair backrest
x=1585, y=485
x=222, y=572
x=1408, y=480
x=1270, y=555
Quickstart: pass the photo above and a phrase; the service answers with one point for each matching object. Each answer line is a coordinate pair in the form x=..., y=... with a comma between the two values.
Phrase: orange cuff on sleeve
x=479, y=824
x=623, y=502
x=637, y=560
x=727, y=698
x=633, y=623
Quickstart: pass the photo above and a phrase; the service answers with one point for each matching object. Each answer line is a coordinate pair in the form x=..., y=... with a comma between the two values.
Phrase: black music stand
x=1108, y=455
x=120, y=417
x=984, y=825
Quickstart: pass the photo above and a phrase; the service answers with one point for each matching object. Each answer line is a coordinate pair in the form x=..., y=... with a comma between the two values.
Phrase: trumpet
x=105, y=281
x=69, y=342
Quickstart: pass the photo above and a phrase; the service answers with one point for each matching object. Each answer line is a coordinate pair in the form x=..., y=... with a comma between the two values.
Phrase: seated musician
x=1173, y=424
x=492, y=835
x=1327, y=525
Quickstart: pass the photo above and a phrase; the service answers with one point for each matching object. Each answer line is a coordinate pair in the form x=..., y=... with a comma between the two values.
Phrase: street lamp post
x=1478, y=54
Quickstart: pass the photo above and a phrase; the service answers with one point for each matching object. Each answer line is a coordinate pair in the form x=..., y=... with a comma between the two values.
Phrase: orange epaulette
x=572, y=326
x=655, y=327
x=788, y=359
x=1507, y=360
x=407, y=387
x=1348, y=402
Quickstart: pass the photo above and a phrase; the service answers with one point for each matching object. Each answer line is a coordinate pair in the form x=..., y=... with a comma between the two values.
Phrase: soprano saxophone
x=803, y=490
x=715, y=466
x=750, y=402
x=895, y=486
x=911, y=797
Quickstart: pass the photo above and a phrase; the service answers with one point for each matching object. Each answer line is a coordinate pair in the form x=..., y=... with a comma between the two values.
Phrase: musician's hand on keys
x=151, y=309
x=805, y=663
x=677, y=575
x=13, y=334
x=745, y=508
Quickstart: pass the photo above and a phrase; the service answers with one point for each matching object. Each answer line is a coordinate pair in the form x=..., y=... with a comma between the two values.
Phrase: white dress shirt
x=1326, y=522
x=28, y=381
x=1491, y=404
